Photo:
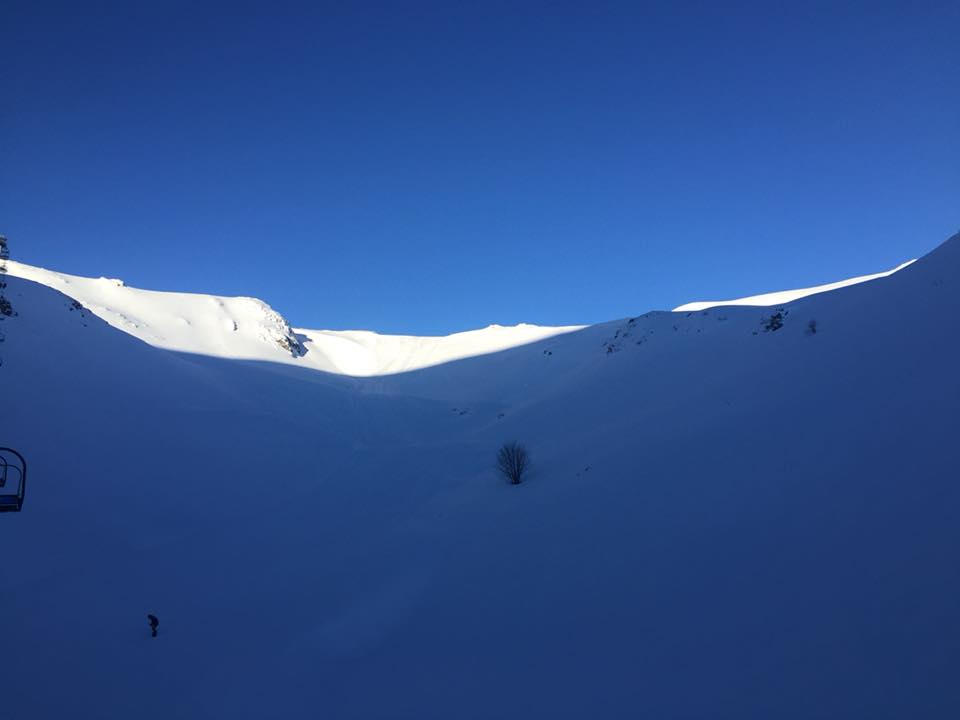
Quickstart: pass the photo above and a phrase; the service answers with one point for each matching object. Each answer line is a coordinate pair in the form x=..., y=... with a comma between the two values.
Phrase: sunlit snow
x=785, y=296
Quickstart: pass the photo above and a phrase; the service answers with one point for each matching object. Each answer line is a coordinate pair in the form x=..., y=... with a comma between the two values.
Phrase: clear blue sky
x=431, y=167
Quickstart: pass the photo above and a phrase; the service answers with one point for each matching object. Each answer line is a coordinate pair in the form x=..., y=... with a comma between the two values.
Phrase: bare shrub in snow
x=513, y=461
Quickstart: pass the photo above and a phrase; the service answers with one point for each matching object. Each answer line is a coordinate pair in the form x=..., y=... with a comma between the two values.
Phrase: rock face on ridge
x=274, y=328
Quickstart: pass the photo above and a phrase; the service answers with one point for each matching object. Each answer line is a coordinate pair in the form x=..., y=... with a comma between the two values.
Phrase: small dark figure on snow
x=154, y=623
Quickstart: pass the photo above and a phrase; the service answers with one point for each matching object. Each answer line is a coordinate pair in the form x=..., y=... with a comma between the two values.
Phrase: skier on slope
x=154, y=623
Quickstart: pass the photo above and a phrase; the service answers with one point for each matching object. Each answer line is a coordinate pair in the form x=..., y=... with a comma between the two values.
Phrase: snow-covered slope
x=248, y=328
x=365, y=353
x=785, y=296
x=732, y=513
x=240, y=327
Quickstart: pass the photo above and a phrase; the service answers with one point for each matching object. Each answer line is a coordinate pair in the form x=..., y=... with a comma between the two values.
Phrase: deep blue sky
x=431, y=167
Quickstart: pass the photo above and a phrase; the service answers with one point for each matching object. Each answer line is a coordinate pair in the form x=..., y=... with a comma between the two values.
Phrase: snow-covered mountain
x=733, y=512
x=248, y=328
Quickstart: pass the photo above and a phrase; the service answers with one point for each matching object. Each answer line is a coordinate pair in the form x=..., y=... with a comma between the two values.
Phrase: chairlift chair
x=13, y=480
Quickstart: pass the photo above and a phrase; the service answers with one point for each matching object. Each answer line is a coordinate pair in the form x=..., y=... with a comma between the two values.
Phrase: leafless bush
x=513, y=461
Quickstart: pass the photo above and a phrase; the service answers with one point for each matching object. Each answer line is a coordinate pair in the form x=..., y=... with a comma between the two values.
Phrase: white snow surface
x=786, y=296
x=248, y=328
x=722, y=520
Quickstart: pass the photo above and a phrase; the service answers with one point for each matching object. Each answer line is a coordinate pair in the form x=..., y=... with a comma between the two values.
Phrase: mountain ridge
x=232, y=326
